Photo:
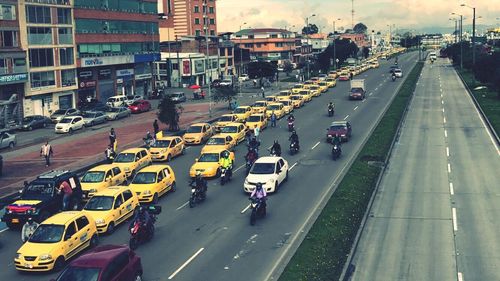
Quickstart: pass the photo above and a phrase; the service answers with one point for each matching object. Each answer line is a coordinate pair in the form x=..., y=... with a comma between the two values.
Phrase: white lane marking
x=449, y=168
x=443, y=109
x=447, y=152
x=442, y=101
x=364, y=100
x=454, y=218
x=346, y=117
x=460, y=276
x=444, y=120
x=376, y=89
x=441, y=95
x=452, y=191
x=370, y=94
x=356, y=107
x=239, y=168
x=295, y=164
x=445, y=133
x=182, y=206
x=440, y=89
x=5, y=229
x=186, y=263
x=315, y=145
x=246, y=208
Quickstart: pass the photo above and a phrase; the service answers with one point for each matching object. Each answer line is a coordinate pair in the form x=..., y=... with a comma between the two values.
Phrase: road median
x=328, y=244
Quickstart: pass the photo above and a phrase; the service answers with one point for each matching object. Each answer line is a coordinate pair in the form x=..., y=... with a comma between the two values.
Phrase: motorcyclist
x=393, y=76
x=254, y=144
x=294, y=138
x=291, y=118
x=251, y=155
x=148, y=140
x=276, y=148
x=110, y=154
x=28, y=229
x=226, y=163
x=144, y=218
x=330, y=107
x=336, y=140
x=259, y=193
x=200, y=184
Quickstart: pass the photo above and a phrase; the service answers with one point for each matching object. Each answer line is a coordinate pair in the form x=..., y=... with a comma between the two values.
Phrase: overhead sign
x=143, y=76
x=111, y=60
x=13, y=78
x=87, y=84
x=125, y=72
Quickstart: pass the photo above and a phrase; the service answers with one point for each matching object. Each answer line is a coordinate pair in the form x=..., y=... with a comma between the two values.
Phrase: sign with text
x=13, y=78
x=125, y=72
x=111, y=60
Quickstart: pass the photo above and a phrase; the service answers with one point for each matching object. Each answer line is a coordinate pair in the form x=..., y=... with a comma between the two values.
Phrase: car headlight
x=18, y=256
x=127, y=169
x=100, y=221
x=246, y=181
x=330, y=136
x=9, y=211
x=147, y=192
x=343, y=135
x=45, y=257
x=93, y=190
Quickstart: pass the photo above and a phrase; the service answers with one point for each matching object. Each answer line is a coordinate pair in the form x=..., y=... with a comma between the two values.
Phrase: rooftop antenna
x=352, y=14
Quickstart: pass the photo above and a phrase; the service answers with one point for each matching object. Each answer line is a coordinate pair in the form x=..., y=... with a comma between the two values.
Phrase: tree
x=311, y=29
x=261, y=69
x=360, y=28
x=168, y=113
x=287, y=67
x=224, y=94
x=366, y=52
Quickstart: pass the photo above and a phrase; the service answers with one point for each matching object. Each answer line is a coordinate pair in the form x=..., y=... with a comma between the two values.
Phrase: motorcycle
x=197, y=196
x=258, y=207
x=336, y=151
x=393, y=78
x=330, y=111
x=290, y=126
x=148, y=142
x=273, y=152
x=225, y=176
x=138, y=231
x=294, y=148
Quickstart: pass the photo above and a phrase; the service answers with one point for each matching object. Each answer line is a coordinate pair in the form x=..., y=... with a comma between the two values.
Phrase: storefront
x=125, y=81
x=12, y=84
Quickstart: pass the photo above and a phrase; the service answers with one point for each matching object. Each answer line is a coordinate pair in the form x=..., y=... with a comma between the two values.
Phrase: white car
x=398, y=72
x=69, y=124
x=118, y=101
x=132, y=99
x=271, y=171
x=243, y=78
x=7, y=140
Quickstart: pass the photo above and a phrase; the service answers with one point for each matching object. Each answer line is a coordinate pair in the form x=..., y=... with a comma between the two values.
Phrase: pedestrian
x=248, y=136
x=263, y=93
x=28, y=229
x=65, y=188
x=156, y=128
x=112, y=138
x=273, y=119
x=256, y=132
x=255, y=82
x=46, y=151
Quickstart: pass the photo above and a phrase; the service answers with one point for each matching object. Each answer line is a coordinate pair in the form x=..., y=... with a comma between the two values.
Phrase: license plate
x=15, y=220
x=28, y=265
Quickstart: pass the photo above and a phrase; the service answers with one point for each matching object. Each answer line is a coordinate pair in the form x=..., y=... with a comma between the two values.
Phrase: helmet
x=225, y=154
x=198, y=174
x=142, y=209
x=258, y=186
x=294, y=132
x=30, y=220
x=276, y=142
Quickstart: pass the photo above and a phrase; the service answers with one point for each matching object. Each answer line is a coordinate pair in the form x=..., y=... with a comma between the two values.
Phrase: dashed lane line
x=345, y=118
x=452, y=191
x=295, y=164
x=454, y=218
x=186, y=263
x=315, y=145
x=356, y=107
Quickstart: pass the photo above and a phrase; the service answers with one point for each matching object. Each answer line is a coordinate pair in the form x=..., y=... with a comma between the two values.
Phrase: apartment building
x=117, y=43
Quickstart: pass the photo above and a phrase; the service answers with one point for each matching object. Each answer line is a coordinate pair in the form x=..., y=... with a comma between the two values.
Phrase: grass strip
x=488, y=98
x=324, y=251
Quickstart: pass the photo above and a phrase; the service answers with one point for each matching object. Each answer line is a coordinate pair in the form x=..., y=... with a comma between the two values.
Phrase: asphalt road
x=214, y=240
x=435, y=214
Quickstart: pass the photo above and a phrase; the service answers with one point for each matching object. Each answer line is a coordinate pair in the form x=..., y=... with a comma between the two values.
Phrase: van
x=117, y=101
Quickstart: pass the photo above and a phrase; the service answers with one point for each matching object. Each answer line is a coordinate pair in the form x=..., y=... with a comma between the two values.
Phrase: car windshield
x=145, y=178
x=314, y=87
x=37, y=191
x=209, y=157
x=125, y=157
x=136, y=103
x=226, y=118
x=216, y=141
x=176, y=95
x=229, y=129
x=284, y=94
x=259, y=104
x=194, y=129
x=254, y=118
x=337, y=127
x=297, y=86
x=28, y=119
x=240, y=110
x=93, y=176
x=116, y=109
x=304, y=92
x=161, y=143
x=262, y=168
x=66, y=120
x=75, y=273
x=47, y=233
x=356, y=90
x=89, y=115
x=296, y=97
x=99, y=203
x=59, y=111
x=226, y=81
x=273, y=107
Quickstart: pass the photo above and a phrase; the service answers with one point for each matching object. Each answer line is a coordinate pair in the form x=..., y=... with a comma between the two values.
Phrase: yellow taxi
x=333, y=74
x=315, y=80
x=198, y=133
x=242, y=112
x=208, y=163
x=152, y=182
x=296, y=88
x=308, y=83
x=132, y=160
x=270, y=99
x=110, y=207
x=306, y=94
x=297, y=100
x=259, y=106
x=287, y=106
x=315, y=90
x=331, y=82
x=257, y=120
x=100, y=178
x=235, y=130
x=164, y=149
x=374, y=64
x=277, y=108
x=224, y=120
x=56, y=240
x=220, y=142
x=323, y=86
x=284, y=95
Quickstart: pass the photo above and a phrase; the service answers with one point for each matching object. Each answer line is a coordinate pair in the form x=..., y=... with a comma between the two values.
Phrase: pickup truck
x=357, y=89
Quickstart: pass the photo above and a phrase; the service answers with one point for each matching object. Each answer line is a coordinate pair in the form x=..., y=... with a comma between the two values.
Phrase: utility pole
x=473, y=33
x=334, y=47
x=352, y=14
x=461, y=45
x=208, y=66
x=241, y=56
x=307, y=29
x=179, y=78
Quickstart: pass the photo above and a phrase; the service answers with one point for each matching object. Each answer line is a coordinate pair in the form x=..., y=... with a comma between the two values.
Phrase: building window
x=66, y=56
x=196, y=21
x=41, y=57
x=8, y=38
x=68, y=77
x=65, y=35
x=258, y=45
x=42, y=79
x=278, y=44
x=274, y=36
x=229, y=51
x=196, y=9
x=211, y=10
x=212, y=32
x=248, y=45
x=38, y=14
x=63, y=16
x=250, y=37
x=7, y=12
x=198, y=32
x=39, y=35
x=212, y=21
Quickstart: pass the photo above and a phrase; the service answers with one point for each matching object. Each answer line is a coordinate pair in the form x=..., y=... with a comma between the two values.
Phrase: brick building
x=358, y=38
x=117, y=43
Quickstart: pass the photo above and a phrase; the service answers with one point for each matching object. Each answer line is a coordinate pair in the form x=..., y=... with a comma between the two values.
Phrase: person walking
x=273, y=119
x=46, y=151
x=112, y=138
x=156, y=127
x=263, y=92
x=65, y=188
x=28, y=229
x=256, y=132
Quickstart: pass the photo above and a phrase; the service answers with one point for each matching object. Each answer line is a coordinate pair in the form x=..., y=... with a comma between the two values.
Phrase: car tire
x=11, y=225
x=276, y=186
x=91, y=124
x=111, y=228
x=286, y=176
x=183, y=151
x=30, y=128
x=70, y=131
x=173, y=187
x=93, y=241
x=44, y=125
x=59, y=264
x=11, y=145
x=155, y=199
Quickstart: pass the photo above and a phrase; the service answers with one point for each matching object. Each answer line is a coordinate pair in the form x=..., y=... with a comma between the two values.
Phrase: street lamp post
x=455, y=32
x=473, y=33
x=307, y=29
x=460, y=39
x=169, y=62
x=334, y=48
x=241, y=53
x=208, y=66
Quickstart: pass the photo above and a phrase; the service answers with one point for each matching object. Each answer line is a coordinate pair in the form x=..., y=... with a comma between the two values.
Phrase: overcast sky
x=375, y=14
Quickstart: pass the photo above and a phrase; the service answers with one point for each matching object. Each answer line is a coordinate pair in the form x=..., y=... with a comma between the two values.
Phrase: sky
x=418, y=15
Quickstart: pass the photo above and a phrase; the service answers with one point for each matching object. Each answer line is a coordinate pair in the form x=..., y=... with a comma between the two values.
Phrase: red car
x=104, y=263
x=140, y=106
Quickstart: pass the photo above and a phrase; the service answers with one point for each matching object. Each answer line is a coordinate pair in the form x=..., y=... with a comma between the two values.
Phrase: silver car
x=178, y=97
x=117, y=113
x=59, y=114
x=90, y=118
x=7, y=140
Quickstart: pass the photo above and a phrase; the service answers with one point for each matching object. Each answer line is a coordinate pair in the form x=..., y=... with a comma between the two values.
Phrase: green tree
x=366, y=52
x=224, y=94
x=311, y=29
x=168, y=113
x=261, y=69
x=287, y=68
x=360, y=28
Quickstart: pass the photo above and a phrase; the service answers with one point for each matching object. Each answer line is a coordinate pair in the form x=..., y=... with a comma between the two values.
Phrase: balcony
x=51, y=2
x=65, y=39
x=40, y=39
x=13, y=70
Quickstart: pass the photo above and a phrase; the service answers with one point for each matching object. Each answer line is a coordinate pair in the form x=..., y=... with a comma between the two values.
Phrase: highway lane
x=231, y=248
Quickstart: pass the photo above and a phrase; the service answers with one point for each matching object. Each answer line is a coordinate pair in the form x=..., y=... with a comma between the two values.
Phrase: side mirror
x=195, y=159
x=159, y=180
x=108, y=179
x=67, y=237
